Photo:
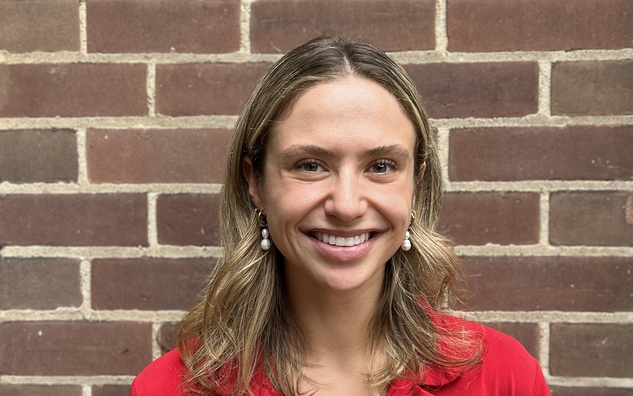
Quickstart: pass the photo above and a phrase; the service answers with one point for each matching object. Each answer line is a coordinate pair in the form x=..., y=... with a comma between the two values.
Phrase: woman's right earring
x=266, y=244
x=406, y=244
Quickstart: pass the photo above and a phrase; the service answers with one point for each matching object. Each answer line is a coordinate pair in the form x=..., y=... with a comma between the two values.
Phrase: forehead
x=350, y=108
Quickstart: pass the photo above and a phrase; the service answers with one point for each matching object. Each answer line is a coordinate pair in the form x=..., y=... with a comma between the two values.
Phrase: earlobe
x=254, y=188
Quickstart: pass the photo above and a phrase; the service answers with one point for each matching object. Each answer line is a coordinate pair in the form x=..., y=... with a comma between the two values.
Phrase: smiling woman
x=334, y=281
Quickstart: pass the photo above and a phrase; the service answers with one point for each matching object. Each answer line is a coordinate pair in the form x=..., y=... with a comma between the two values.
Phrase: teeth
x=340, y=241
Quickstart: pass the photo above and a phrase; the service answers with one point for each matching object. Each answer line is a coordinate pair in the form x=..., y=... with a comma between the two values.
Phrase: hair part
x=243, y=323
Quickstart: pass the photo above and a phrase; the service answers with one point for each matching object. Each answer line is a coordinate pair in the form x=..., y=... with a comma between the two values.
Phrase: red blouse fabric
x=506, y=370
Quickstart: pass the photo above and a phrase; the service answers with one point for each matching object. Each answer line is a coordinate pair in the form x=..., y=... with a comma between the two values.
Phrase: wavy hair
x=243, y=324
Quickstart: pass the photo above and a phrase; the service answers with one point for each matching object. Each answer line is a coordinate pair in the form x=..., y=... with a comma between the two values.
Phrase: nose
x=346, y=199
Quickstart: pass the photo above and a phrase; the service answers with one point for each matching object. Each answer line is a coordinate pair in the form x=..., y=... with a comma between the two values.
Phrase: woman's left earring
x=266, y=244
x=406, y=244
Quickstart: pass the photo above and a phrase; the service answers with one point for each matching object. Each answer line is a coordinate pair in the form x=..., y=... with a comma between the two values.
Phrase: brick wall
x=114, y=122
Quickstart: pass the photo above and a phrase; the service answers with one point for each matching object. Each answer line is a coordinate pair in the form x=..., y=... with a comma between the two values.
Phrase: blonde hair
x=243, y=324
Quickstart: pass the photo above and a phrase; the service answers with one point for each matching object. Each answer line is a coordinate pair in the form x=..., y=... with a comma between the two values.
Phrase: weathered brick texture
x=73, y=220
x=192, y=26
x=499, y=218
x=39, y=283
x=498, y=89
x=40, y=390
x=157, y=156
x=594, y=218
x=168, y=336
x=148, y=284
x=36, y=25
x=550, y=283
x=74, y=348
x=72, y=90
x=592, y=87
x=569, y=153
x=578, y=391
x=205, y=88
x=38, y=156
x=591, y=350
x=188, y=219
x=538, y=25
x=110, y=390
x=277, y=26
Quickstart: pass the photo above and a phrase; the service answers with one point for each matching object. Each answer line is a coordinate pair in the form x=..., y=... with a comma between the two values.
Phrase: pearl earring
x=266, y=244
x=406, y=244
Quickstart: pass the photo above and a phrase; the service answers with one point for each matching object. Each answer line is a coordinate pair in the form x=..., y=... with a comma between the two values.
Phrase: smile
x=341, y=241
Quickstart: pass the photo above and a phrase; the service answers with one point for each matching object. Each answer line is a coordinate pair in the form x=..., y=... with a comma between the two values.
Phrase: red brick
x=542, y=153
x=591, y=218
x=538, y=25
x=168, y=336
x=157, y=156
x=593, y=87
x=578, y=391
x=496, y=89
x=39, y=283
x=32, y=156
x=73, y=90
x=148, y=284
x=277, y=26
x=497, y=218
x=591, y=350
x=40, y=390
x=596, y=284
x=188, y=219
x=37, y=25
x=73, y=220
x=205, y=88
x=185, y=26
x=110, y=390
x=75, y=348
x=526, y=333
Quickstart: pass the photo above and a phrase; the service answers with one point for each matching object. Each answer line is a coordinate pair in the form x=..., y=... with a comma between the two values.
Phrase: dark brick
x=491, y=217
x=205, y=88
x=32, y=156
x=168, y=336
x=73, y=220
x=157, y=156
x=39, y=283
x=538, y=25
x=398, y=25
x=526, y=333
x=40, y=390
x=591, y=350
x=597, y=284
x=73, y=90
x=591, y=218
x=148, y=284
x=192, y=26
x=75, y=348
x=498, y=89
x=37, y=25
x=110, y=390
x=593, y=87
x=542, y=153
x=188, y=219
x=578, y=391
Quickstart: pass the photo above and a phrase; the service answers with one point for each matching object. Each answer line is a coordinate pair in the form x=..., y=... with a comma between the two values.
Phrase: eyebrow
x=396, y=150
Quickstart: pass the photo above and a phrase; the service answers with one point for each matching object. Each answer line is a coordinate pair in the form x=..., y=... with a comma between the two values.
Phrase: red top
x=506, y=370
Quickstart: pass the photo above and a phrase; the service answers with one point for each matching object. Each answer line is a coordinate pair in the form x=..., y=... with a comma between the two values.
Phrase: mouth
x=341, y=241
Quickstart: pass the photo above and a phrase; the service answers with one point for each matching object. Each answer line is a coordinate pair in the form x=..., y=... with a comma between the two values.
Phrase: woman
x=333, y=280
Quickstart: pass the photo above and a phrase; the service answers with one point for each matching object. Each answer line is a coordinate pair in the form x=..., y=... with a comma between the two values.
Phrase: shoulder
x=506, y=368
x=162, y=377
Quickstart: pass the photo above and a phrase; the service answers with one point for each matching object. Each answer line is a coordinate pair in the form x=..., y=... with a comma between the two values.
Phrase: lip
x=343, y=253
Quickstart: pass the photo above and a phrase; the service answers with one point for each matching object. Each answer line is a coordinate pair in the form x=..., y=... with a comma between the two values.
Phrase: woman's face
x=338, y=184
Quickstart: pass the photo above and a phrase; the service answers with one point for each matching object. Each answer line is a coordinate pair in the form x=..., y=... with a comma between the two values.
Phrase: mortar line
x=545, y=88
x=544, y=218
x=151, y=89
x=544, y=342
x=156, y=350
x=85, y=272
x=443, y=136
x=152, y=221
x=441, y=32
x=245, y=26
x=86, y=390
x=82, y=176
x=83, y=28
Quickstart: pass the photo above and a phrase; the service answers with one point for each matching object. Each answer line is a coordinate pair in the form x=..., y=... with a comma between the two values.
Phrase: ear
x=254, y=189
